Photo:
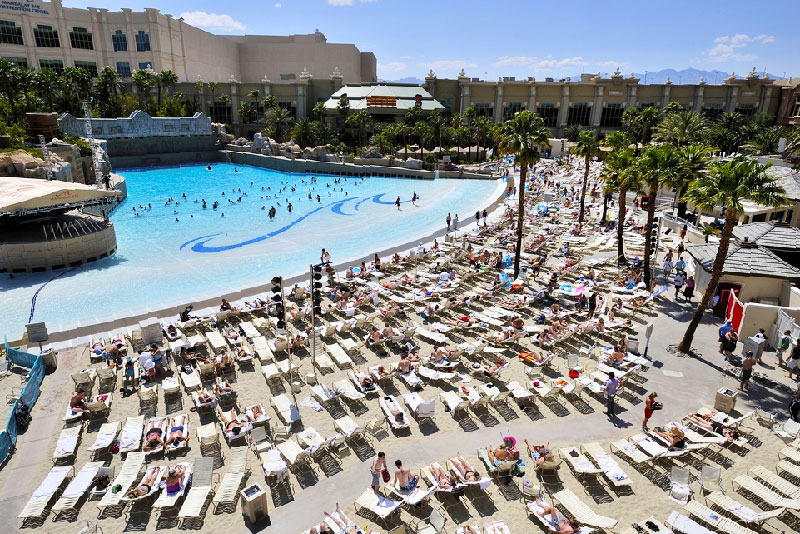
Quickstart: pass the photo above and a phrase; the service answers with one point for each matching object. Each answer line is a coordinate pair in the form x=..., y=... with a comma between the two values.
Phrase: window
x=144, y=65
x=746, y=109
x=46, y=36
x=124, y=69
x=483, y=109
x=10, y=33
x=548, y=113
x=142, y=41
x=21, y=62
x=56, y=65
x=290, y=107
x=120, y=41
x=88, y=66
x=510, y=109
x=80, y=38
x=287, y=77
x=612, y=116
x=220, y=112
x=796, y=112
x=579, y=114
x=711, y=110
x=647, y=105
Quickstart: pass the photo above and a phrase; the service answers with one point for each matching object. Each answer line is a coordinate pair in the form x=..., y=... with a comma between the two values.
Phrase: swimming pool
x=177, y=252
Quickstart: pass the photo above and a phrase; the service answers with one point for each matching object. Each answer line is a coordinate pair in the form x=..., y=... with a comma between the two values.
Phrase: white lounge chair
x=191, y=380
x=228, y=490
x=744, y=513
x=686, y=525
x=377, y=505
x=347, y=389
x=339, y=355
x=105, y=438
x=453, y=402
x=286, y=409
x=396, y=422
x=202, y=480
x=578, y=462
x=536, y=509
x=131, y=437
x=161, y=423
x=67, y=444
x=42, y=496
x=421, y=408
x=765, y=493
x=581, y=512
x=155, y=487
x=183, y=444
x=169, y=499
x=719, y=522
x=611, y=469
x=76, y=489
x=126, y=477
x=788, y=431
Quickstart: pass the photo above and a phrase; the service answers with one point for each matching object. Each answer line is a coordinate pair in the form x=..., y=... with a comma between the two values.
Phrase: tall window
x=746, y=109
x=510, y=109
x=56, y=65
x=46, y=36
x=10, y=33
x=143, y=65
x=120, y=41
x=549, y=113
x=483, y=109
x=21, y=62
x=142, y=41
x=124, y=69
x=612, y=116
x=711, y=110
x=645, y=105
x=81, y=38
x=579, y=114
x=220, y=112
x=290, y=107
x=88, y=66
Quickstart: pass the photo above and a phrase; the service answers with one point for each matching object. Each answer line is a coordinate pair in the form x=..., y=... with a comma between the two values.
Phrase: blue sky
x=520, y=37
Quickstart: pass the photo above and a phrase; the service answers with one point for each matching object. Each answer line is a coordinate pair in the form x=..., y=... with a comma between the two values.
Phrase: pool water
x=178, y=252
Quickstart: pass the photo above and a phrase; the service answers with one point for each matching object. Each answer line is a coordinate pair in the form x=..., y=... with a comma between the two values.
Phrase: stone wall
x=45, y=255
x=138, y=124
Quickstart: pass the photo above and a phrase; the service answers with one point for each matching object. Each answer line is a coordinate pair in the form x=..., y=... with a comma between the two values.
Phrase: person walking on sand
x=612, y=384
x=649, y=402
x=377, y=468
x=783, y=345
x=447, y=220
x=747, y=370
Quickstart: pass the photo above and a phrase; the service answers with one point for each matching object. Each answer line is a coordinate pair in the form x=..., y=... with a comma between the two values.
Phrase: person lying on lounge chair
x=146, y=485
x=558, y=523
x=367, y=382
x=78, y=401
x=231, y=422
x=223, y=388
x=488, y=370
x=174, y=478
x=153, y=438
x=675, y=437
x=718, y=428
x=540, y=453
x=176, y=429
x=256, y=413
x=498, y=456
x=443, y=480
x=463, y=467
x=346, y=525
x=231, y=333
x=394, y=409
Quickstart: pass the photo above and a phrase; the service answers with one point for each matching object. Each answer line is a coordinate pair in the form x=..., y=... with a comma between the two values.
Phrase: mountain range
x=686, y=76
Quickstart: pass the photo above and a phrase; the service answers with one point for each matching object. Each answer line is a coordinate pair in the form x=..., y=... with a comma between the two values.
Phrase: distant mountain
x=689, y=76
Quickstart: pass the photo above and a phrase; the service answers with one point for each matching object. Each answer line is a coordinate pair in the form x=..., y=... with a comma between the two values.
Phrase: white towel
x=103, y=440
x=66, y=444
x=680, y=522
x=80, y=483
x=308, y=402
x=611, y=468
x=50, y=483
x=131, y=436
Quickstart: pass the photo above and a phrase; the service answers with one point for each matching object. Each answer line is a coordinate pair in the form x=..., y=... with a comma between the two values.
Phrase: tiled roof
x=746, y=259
x=771, y=235
x=404, y=94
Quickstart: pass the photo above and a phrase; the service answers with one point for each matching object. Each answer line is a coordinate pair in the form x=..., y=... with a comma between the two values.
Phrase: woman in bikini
x=440, y=475
x=153, y=438
x=176, y=429
x=346, y=525
x=146, y=484
x=174, y=478
x=467, y=472
x=231, y=423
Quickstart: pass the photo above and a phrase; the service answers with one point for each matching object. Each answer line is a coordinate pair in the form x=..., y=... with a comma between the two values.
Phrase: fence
x=29, y=395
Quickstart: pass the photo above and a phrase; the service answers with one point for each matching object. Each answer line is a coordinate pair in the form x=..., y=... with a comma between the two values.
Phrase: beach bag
x=386, y=476
x=657, y=406
x=574, y=373
x=101, y=482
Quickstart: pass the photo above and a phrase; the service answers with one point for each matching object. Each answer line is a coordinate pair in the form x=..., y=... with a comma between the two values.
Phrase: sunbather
x=394, y=409
x=675, y=437
x=174, y=478
x=540, y=453
x=440, y=476
x=78, y=401
x=347, y=525
x=256, y=413
x=146, y=485
x=488, y=370
x=718, y=428
x=153, y=437
x=205, y=397
x=498, y=456
x=176, y=428
x=558, y=523
x=616, y=358
x=231, y=423
x=231, y=333
x=440, y=354
x=365, y=381
x=463, y=467
x=223, y=388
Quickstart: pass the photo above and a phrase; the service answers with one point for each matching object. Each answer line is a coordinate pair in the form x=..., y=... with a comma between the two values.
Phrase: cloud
x=278, y=5
x=448, y=65
x=730, y=47
x=212, y=21
x=405, y=57
x=538, y=64
x=514, y=61
x=393, y=66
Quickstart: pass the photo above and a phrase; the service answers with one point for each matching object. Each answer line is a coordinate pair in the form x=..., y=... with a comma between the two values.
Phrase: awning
x=28, y=195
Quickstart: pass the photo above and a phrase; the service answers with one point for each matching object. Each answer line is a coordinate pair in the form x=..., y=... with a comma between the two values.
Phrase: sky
x=521, y=38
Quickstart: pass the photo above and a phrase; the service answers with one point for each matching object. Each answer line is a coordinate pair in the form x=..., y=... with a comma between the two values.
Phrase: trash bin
x=254, y=502
x=725, y=400
x=297, y=386
x=754, y=344
x=633, y=345
x=311, y=379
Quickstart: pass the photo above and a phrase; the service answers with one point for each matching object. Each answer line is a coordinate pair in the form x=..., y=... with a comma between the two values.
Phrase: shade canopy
x=28, y=195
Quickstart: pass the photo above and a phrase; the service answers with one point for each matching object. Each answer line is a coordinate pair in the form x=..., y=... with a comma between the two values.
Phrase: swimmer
x=208, y=168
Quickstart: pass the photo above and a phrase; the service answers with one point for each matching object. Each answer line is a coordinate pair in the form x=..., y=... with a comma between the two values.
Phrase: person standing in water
x=414, y=199
x=455, y=223
x=447, y=220
x=397, y=203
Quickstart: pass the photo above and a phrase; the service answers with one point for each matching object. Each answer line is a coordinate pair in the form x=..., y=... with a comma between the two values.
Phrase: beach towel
x=51, y=483
x=308, y=402
x=80, y=483
x=66, y=444
x=131, y=435
x=611, y=468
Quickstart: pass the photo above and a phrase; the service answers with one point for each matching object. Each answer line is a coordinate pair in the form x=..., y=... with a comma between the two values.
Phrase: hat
x=512, y=439
x=173, y=471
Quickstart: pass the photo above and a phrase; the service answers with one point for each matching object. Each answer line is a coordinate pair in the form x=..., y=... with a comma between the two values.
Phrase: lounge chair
x=148, y=397
x=453, y=402
x=202, y=480
x=492, y=527
x=765, y=493
x=272, y=374
x=433, y=484
x=679, y=490
x=607, y=464
x=183, y=444
x=347, y=389
x=339, y=355
x=131, y=437
x=788, y=431
x=293, y=454
x=204, y=407
x=259, y=439
x=581, y=512
x=483, y=483
x=414, y=497
x=231, y=437
x=41, y=497
x=536, y=507
x=216, y=340
x=97, y=491
x=126, y=477
x=719, y=522
x=323, y=394
x=76, y=489
x=686, y=525
x=107, y=379
x=154, y=488
x=347, y=427
x=371, y=503
x=742, y=512
x=105, y=439
x=578, y=462
x=67, y=444
x=99, y=407
x=421, y=409
x=779, y=483
x=286, y=409
x=228, y=490
x=504, y=469
x=710, y=478
x=625, y=448
x=208, y=436
x=169, y=499
x=162, y=423
x=262, y=420
x=191, y=380
x=275, y=468
x=396, y=422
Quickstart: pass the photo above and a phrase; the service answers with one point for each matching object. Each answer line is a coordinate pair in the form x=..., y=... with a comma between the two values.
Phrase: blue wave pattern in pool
x=177, y=252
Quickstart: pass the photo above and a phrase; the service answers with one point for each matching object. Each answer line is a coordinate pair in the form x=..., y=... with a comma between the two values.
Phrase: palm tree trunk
x=620, y=220
x=648, y=229
x=523, y=170
x=716, y=274
x=583, y=191
x=606, y=197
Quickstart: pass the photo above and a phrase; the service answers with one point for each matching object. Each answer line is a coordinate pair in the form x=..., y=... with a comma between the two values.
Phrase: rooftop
x=744, y=258
x=772, y=235
x=382, y=96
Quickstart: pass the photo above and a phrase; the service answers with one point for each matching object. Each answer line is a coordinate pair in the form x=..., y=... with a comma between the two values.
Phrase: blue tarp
x=17, y=357
x=29, y=395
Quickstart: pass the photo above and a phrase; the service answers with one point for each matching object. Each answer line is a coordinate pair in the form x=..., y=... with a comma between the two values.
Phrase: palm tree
x=13, y=82
x=728, y=184
x=573, y=132
x=247, y=112
x=277, y=123
x=640, y=123
x=482, y=127
x=319, y=110
x=682, y=128
x=793, y=147
x=729, y=131
x=587, y=147
x=523, y=135
x=212, y=88
x=361, y=121
x=303, y=132
x=765, y=141
x=622, y=175
x=437, y=124
x=166, y=79
x=108, y=84
x=694, y=161
x=657, y=165
x=143, y=81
